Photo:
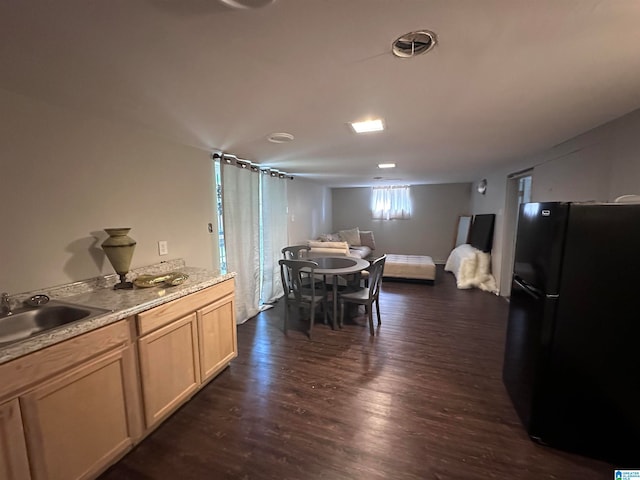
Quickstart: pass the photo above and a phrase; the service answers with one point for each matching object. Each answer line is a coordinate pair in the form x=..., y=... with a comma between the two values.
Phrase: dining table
x=337, y=266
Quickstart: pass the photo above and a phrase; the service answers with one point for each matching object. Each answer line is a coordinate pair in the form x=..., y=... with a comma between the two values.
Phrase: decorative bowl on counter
x=169, y=279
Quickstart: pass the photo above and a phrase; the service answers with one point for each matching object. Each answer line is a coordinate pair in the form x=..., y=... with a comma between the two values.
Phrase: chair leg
x=371, y=330
x=312, y=314
x=378, y=310
x=341, y=323
x=286, y=315
x=325, y=310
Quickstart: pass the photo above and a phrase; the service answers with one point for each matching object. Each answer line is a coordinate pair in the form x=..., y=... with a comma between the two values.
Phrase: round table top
x=339, y=265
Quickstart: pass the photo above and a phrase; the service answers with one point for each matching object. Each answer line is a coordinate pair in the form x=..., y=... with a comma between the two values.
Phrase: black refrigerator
x=572, y=353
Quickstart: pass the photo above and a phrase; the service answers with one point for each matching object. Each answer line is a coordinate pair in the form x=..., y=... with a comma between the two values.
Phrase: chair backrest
x=294, y=252
x=376, y=270
x=292, y=275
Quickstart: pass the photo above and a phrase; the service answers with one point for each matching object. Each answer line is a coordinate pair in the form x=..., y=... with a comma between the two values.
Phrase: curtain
x=391, y=202
x=241, y=211
x=274, y=235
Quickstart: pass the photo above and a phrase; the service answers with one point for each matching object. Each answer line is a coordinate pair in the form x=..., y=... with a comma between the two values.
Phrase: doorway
x=518, y=192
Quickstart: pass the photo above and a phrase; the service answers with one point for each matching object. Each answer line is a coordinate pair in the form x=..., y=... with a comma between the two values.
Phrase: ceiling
x=508, y=78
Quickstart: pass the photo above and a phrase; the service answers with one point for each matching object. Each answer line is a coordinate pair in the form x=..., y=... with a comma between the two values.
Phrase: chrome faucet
x=5, y=305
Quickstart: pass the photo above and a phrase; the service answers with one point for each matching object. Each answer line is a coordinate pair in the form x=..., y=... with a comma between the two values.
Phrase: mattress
x=410, y=266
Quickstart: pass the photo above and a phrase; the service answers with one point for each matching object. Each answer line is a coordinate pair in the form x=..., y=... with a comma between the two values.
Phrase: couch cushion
x=330, y=237
x=352, y=236
x=366, y=239
x=337, y=245
x=361, y=251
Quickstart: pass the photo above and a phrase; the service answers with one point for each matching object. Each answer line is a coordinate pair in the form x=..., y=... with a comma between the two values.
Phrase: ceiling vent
x=414, y=43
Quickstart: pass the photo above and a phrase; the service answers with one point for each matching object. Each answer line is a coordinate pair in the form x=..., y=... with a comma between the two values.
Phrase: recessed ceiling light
x=280, y=137
x=375, y=125
x=386, y=165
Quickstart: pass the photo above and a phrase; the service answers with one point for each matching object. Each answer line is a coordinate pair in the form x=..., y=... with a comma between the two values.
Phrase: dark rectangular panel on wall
x=481, y=234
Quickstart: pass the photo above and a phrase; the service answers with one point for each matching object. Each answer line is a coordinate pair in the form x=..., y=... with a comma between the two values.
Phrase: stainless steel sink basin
x=28, y=322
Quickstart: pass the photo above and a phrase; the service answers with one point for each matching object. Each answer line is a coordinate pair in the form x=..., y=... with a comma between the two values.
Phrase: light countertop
x=122, y=303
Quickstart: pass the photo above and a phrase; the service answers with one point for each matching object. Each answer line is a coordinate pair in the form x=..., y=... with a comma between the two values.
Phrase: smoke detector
x=280, y=137
x=414, y=43
x=247, y=4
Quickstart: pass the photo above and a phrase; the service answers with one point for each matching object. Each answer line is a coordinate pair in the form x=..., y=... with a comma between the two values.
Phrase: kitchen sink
x=30, y=321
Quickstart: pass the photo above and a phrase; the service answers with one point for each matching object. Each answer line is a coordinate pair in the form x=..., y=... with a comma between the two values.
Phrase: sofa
x=352, y=242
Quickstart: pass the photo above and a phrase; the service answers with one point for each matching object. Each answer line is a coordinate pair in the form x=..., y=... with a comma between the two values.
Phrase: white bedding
x=472, y=268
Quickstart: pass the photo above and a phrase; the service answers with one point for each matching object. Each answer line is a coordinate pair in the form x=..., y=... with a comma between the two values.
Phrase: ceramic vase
x=119, y=248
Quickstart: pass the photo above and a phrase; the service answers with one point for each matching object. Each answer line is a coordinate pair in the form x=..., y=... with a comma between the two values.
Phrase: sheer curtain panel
x=241, y=211
x=389, y=203
x=274, y=235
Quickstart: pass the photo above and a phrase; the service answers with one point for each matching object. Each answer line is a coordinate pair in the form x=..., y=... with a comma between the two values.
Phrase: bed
x=470, y=262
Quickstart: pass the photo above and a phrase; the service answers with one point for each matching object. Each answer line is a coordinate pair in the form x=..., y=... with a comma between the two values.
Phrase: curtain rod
x=228, y=159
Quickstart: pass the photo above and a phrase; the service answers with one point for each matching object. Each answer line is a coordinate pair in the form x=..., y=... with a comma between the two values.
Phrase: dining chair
x=295, y=252
x=368, y=295
x=297, y=292
x=299, y=252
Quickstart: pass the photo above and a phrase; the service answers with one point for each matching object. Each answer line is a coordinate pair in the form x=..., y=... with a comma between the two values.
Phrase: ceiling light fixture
x=375, y=125
x=386, y=165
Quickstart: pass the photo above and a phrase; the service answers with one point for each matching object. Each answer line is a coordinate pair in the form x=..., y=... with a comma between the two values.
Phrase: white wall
x=66, y=176
x=309, y=210
x=431, y=230
x=599, y=165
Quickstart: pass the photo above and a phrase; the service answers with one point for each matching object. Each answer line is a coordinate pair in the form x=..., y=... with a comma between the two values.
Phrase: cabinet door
x=169, y=368
x=14, y=464
x=217, y=336
x=78, y=423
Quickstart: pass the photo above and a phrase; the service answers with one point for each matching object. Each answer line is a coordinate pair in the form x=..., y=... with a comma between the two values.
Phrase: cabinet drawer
x=165, y=314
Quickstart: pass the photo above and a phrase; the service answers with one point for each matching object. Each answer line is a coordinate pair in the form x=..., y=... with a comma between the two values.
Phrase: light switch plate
x=163, y=247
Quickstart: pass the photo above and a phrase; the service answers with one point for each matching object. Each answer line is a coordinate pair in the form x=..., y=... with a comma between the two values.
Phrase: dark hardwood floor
x=423, y=399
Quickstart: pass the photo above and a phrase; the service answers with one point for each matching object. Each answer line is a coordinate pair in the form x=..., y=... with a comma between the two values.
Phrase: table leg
x=335, y=302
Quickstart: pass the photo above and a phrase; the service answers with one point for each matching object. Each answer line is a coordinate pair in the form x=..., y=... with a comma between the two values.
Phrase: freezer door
x=539, y=244
x=526, y=351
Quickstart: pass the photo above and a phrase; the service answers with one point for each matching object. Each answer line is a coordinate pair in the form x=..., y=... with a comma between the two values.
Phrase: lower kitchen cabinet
x=14, y=464
x=182, y=345
x=79, y=422
x=217, y=337
x=68, y=411
x=168, y=367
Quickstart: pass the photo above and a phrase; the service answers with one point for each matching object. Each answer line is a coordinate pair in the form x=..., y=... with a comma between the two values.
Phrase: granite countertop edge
x=122, y=303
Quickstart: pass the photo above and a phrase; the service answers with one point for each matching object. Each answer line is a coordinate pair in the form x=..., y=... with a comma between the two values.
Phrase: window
x=222, y=251
x=389, y=203
x=524, y=189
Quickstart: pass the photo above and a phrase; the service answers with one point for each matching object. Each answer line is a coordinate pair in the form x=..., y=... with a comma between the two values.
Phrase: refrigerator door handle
x=534, y=292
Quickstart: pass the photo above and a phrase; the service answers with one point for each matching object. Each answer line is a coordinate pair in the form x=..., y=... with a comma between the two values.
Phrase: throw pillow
x=366, y=239
x=352, y=236
x=330, y=237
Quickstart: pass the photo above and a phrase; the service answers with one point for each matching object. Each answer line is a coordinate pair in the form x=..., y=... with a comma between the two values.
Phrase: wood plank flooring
x=423, y=399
